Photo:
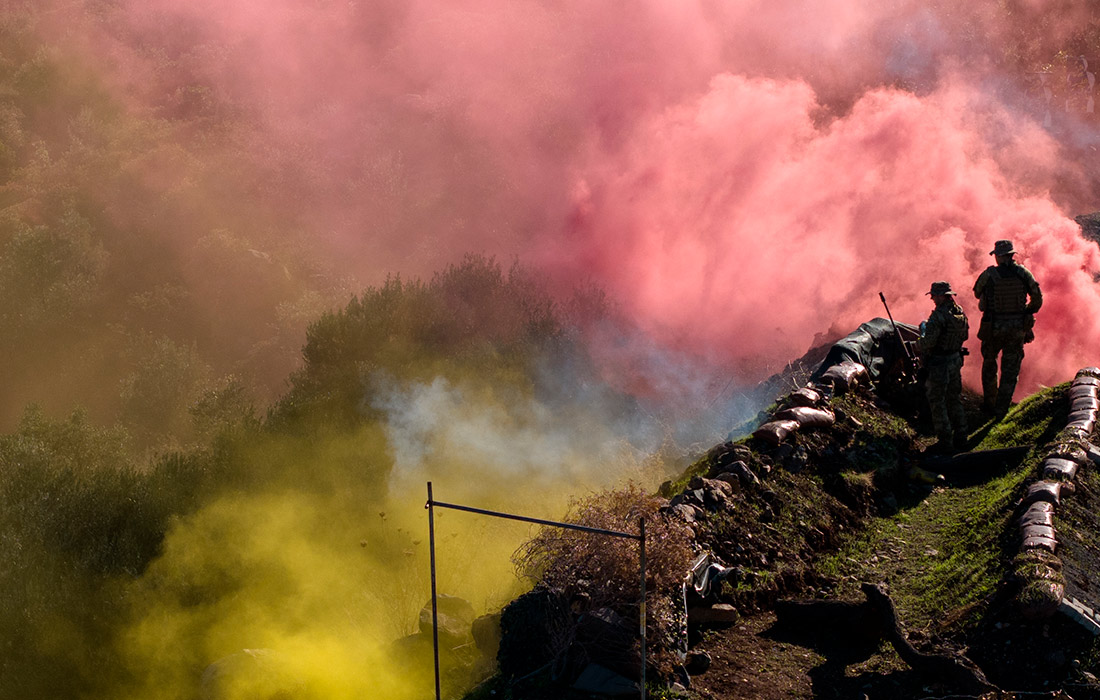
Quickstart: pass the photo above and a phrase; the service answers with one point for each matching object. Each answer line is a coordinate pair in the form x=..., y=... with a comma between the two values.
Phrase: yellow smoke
x=309, y=584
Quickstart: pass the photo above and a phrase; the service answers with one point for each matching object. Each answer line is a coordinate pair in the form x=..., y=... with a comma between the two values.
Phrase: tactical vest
x=955, y=332
x=1008, y=294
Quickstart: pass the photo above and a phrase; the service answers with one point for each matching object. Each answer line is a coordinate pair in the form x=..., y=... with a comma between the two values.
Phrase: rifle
x=910, y=361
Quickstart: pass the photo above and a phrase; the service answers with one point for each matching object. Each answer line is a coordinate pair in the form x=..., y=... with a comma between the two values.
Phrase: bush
x=602, y=570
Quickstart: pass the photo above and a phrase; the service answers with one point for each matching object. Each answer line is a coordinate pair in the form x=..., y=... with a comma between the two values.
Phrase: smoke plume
x=741, y=179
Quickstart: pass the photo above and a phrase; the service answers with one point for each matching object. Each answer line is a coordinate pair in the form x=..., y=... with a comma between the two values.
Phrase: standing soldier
x=941, y=348
x=1008, y=296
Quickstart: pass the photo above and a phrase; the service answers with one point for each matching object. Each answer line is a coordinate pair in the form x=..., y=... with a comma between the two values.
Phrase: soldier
x=941, y=349
x=1008, y=296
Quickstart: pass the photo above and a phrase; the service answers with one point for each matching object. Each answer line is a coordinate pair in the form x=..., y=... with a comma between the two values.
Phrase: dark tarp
x=874, y=345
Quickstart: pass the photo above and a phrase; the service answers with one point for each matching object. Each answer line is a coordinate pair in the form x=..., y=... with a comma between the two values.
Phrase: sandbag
x=1084, y=403
x=845, y=375
x=776, y=431
x=1058, y=469
x=806, y=396
x=1083, y=391
x=807, y=417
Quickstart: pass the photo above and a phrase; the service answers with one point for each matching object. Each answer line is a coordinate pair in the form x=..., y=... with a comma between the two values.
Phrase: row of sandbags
x=1037, y=563
x=803, y=408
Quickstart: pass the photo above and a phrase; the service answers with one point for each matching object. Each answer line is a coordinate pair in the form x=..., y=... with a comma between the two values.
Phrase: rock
x=684, y=512
x=742, y=473
x=720, y=615
x=697, y=662
x=698, y=482
x=456, y=617
x=797, y=460
x=726, y=453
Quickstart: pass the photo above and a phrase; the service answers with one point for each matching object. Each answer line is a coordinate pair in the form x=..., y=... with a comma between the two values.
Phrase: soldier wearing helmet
x=941, y=349
x=1008, y=296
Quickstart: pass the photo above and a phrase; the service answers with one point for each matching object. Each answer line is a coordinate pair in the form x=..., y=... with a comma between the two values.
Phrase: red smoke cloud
x=739, y=223
x=741, y=177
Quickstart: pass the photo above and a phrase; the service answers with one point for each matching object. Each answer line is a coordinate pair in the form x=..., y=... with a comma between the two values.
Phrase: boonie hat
x=1002, y=248
x=941, y=288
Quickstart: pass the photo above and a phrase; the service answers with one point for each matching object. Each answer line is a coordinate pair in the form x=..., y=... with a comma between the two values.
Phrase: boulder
x=456, y=617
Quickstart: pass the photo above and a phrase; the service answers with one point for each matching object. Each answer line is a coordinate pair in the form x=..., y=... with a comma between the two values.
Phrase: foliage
x=603, y=570
x=472, y=319
x=74, y=515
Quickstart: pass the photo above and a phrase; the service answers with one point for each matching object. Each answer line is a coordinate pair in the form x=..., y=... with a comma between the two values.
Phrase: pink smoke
x=740, y=224
x=741, y=177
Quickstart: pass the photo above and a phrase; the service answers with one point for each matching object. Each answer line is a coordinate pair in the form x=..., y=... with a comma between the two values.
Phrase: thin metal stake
x=435, y=607
x=641, y=556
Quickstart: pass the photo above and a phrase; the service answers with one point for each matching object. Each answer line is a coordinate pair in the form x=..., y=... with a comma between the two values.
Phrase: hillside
x=844, y=513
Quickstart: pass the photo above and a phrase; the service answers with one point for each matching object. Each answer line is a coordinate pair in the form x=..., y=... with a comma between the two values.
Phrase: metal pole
x=537, y=521
x=435, y=606
x=641, y=556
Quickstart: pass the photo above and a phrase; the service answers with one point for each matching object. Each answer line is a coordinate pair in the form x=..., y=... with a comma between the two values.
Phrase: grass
x=947, y=550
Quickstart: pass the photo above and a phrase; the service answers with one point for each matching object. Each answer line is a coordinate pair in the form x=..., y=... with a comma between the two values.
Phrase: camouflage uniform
x=1008, y=296
x=940, y=347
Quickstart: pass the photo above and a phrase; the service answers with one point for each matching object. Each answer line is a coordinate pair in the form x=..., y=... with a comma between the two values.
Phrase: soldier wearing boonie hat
x=941, y=348
x=1008, y=296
